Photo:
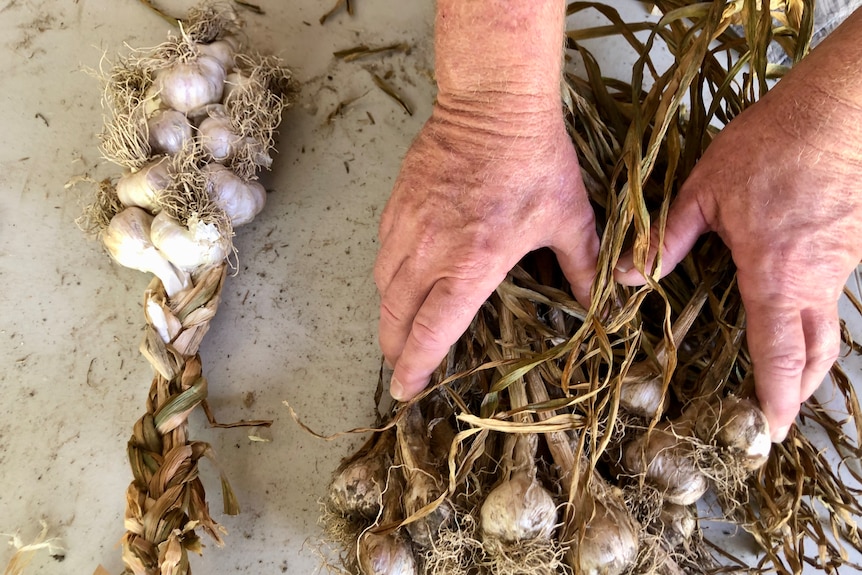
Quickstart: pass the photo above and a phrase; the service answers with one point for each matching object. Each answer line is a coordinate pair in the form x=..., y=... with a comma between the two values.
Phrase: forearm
x=499, y=55
x=827, y=91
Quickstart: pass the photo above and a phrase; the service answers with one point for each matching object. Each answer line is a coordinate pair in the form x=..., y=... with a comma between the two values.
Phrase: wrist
x=499, y=51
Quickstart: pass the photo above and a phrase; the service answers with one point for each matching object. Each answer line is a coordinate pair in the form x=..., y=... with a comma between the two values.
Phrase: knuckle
x=428, y=337
x=785, y=365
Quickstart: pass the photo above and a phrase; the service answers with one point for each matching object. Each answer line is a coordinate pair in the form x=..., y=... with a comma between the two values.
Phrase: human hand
x=475, y=194
x=782, y=186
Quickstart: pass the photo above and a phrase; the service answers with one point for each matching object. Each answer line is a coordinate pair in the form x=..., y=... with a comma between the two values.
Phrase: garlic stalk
x=241, y=200
x=186, y=86
x=190, y=248
x=127, y=239
x=143, y=188
x=425, y=484
x=169, y=130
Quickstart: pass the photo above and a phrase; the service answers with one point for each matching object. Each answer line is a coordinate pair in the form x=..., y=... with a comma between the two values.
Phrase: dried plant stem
x=166, y=501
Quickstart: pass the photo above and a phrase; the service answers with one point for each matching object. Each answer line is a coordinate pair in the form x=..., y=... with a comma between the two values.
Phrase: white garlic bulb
x=127, y=239
x=186, y=86
x=190, y=248
x=241, y=200
x=222, y=50
x=218, y=137
x=143, y=188
x=169, y=130
x=518, y=510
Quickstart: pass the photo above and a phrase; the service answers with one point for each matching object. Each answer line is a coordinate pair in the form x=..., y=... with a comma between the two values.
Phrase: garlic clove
x=186, y=86
x=143, y=188
x=127, y=239
x=241, y=200
x=169, y=130
x=190, y=248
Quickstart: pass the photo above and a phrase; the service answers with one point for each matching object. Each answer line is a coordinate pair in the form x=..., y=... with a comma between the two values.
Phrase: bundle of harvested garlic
x=192, y=122
x=556, y=439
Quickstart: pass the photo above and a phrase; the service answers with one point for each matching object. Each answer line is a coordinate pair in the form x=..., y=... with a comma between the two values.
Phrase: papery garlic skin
x=186, y=86
x=191, y=248
x=169, y=130
x=127, y=239
x=241, y=200
x=143, y=188
x=518, y=509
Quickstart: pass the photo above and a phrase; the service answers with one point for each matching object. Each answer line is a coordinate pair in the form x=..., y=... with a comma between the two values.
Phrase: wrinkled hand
x=782, y=186
x=475, y=194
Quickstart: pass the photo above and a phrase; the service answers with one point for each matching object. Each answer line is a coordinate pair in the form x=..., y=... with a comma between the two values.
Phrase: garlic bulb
x=143, y=188
x=234, y=84
x=218, y=137
x=675, y=524
x=222, y=50
x=738, y=425
x=667, y=462
x=517, y=510
x=358, y=487
x=169, y=130
x=186, y=86
x=241, y=200
x=641, y=393
x=127, y=239
x=386, y=554
x=189, y=248
x=608, y=544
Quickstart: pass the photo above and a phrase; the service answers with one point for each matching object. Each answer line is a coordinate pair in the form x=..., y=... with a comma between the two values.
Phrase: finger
x=401, y=298
x=776, y=341
x=444, y=316
x=822, y=345
x=577, y=253
x=685, y=223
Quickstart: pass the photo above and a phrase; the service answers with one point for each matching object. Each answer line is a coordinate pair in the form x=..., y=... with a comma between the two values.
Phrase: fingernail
x=624, y=264
x=396, y=390
x=779, y=434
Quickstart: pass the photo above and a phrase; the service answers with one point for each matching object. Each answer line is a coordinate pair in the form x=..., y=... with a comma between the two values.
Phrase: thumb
x=578, y=256
x=685, y=223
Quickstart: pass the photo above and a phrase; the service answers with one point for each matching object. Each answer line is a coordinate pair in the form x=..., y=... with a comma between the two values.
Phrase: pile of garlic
x=192, y=121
